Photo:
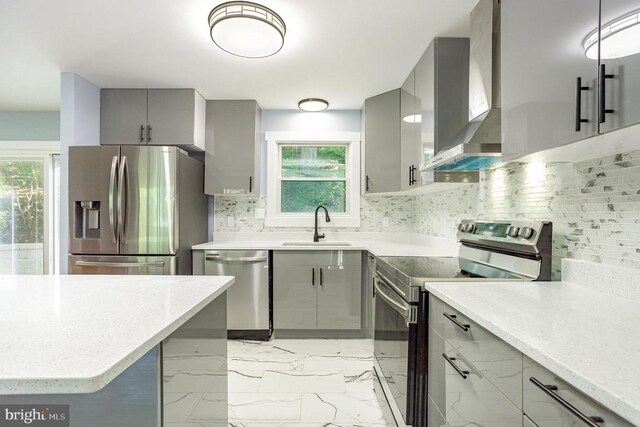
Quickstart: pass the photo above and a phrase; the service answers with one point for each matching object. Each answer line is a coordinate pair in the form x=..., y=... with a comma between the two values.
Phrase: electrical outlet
x=259, y=213
x=231, y=221
x=385, y=221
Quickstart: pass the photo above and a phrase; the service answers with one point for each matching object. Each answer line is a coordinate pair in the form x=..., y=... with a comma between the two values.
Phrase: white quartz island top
x=588, y=337
x=74, y=334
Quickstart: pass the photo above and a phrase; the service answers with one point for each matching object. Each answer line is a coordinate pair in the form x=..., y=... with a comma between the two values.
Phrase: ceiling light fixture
x=618, y=38
x=413, y=118
x=246, y=29
x=313, y=104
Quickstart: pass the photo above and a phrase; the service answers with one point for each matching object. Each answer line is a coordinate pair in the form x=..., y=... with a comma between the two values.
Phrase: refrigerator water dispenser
x=87, y=219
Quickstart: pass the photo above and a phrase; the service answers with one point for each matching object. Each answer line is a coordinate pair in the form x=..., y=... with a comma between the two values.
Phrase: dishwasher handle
x=244, y=260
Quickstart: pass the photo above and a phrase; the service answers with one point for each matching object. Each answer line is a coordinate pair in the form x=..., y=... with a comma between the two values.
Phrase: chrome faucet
x=316, y=236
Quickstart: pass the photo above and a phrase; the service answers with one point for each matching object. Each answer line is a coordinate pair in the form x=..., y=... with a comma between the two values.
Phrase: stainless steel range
x=489, y=250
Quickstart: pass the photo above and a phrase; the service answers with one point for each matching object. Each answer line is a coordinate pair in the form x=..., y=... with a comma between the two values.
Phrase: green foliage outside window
x=312, y=176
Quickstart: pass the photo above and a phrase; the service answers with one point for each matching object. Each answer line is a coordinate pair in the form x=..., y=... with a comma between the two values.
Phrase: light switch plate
x=385, y=221
x=259, y=213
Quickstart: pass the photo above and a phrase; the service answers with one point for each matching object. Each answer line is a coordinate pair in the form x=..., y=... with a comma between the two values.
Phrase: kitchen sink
x=329, y=243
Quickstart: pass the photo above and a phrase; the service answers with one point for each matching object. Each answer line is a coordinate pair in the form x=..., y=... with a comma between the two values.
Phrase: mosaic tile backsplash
x=594, y=206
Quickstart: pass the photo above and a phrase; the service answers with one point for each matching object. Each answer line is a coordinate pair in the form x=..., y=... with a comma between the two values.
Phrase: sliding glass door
x=28, y=226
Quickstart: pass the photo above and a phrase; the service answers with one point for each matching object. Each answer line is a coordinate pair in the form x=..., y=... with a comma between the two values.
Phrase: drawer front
x=434, y=417
x=462, y=393
x=500, y=363
x=316, y=257
x=545, y=411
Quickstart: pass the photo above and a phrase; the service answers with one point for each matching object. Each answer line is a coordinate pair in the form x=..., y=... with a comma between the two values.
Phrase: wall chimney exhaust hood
x=478, y=145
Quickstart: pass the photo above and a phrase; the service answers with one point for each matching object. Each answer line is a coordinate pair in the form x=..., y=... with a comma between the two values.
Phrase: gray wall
x=29, y=125
x=79, y=125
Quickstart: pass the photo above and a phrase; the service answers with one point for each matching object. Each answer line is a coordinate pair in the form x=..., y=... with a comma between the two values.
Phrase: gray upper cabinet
x=622, y=86
x=123, y=116
x=382, y=143
x=442, y=92
x=175, y=117
x=233, y=147
x=543, y=62
x=154, y=117
x=409, y=133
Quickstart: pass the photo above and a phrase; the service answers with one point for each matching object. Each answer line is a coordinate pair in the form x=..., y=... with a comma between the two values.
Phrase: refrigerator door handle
x=112, y=200
x=119, y=264
x=122, y=206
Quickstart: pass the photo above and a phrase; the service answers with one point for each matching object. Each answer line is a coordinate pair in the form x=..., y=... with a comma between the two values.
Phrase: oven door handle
x=407, y=312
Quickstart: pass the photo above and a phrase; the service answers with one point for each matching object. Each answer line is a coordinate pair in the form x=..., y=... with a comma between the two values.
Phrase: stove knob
x=469, y=227
x=512, y=231
x=526, y=232
x=461, y=227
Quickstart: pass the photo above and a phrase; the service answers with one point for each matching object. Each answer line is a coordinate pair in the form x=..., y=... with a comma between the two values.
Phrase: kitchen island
x=119, y=350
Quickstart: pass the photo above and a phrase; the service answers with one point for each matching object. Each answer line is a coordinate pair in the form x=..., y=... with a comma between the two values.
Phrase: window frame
x=275, y=142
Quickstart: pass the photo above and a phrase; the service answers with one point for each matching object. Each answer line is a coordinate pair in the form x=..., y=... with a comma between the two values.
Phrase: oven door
x=395, y=339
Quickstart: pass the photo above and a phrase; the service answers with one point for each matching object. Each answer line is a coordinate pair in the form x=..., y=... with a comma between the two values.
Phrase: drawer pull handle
x=591, y=421
x=451, y=360
x=455, y=320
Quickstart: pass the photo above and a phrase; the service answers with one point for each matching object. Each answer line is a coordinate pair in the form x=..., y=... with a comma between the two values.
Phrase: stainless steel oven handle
x=119, y=264
x=235, y=259
x=405, y=310
x=112, y=200
x=389, y=283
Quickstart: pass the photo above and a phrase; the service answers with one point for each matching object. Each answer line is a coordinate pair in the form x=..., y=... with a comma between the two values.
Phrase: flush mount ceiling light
x=618, y=38
x=246, y=29
x=413, y=118
x=313, y=104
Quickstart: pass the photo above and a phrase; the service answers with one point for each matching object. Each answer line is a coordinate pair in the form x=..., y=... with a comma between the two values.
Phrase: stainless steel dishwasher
x=249, y=313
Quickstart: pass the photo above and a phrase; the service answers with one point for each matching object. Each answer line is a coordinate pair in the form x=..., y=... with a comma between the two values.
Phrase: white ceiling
x=340, y=50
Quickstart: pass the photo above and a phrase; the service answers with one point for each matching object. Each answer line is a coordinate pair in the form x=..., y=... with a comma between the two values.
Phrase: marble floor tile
x=178, y=406
x=266, y=361
x=245, y=407
x=302, y=382
x=343, y=363
x=209, y=408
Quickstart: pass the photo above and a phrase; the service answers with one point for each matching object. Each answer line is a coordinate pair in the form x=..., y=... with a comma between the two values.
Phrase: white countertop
x=74, y=334
x=587, y=337
x=378, y=244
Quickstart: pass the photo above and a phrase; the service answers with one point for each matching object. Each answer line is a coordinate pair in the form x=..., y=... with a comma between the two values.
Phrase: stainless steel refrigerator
x=134, y=210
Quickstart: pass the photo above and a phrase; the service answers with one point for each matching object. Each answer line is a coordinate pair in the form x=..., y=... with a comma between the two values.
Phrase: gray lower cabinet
x=152, y=117
x=233, y=147
x=294, y=297
x=462, y=394
x=317, y=290
x=543, y=393
x=477, y=379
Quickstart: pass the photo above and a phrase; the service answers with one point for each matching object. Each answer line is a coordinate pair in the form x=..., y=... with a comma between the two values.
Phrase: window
x=304, y=172
x=29, y=201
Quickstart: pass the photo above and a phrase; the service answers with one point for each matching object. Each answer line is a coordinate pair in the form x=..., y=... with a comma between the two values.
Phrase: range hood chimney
x=478, y=144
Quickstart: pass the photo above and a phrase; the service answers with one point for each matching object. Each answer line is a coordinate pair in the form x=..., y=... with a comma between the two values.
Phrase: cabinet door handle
x=579, y=89
x=451, y=360
x=366, y=186
x=415, y=177
x=455, y=320
x=410, y=175
x=549, y=390
x=321, y=280
x=250, y=184
x=313, y=277
x=141, y=133
x=602, y=79
x=149, y=133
